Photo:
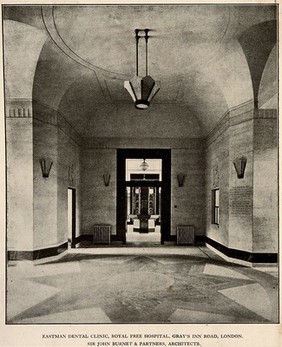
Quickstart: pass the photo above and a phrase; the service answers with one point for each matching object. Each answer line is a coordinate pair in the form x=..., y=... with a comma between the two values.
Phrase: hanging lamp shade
x=144, y=165
x=142, y=89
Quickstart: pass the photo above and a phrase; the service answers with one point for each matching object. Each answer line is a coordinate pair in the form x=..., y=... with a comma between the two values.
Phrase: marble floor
x=118, y=285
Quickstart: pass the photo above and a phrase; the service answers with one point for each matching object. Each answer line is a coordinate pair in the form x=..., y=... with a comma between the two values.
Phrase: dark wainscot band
x=199, y=240
x=37, y=254
x=243, y=255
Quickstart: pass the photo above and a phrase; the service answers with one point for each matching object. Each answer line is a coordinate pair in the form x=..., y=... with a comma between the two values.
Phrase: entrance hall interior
x=141, y=163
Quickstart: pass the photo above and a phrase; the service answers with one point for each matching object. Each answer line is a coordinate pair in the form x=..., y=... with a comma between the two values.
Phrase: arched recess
x=22, y=46
x=231, y=73
x=257, y=43
x=205, y=98
x=268, y=89
x=220, y=85
x=85, y=107
x=55, y=135
x=55, y=73
x=81, y=102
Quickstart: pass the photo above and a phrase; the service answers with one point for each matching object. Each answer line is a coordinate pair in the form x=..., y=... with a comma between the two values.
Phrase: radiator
x=185, y=235
x=102, y=234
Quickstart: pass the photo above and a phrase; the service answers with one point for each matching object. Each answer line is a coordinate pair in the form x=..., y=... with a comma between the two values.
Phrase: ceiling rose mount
x=142, y=89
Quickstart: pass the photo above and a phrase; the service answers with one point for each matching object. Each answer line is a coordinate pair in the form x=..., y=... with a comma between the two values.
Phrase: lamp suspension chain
x=146, y=39
x=142, y=89
x=137, y=42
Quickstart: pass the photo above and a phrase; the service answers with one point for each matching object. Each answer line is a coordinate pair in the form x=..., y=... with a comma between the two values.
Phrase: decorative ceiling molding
x=211, y=55
x=51, y=28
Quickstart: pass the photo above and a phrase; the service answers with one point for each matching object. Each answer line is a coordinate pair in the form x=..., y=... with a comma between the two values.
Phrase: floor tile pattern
x=139, y=285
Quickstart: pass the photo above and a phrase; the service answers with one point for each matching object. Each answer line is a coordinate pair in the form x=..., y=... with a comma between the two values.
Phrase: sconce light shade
x=181, y=179
x=106, y=179
x=240, y=165
x=46, y=164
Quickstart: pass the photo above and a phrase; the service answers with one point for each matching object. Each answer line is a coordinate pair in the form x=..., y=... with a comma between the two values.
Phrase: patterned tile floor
x=140, y=285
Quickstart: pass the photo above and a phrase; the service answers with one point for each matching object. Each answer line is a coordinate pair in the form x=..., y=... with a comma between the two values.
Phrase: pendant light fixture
x=144, y=165
x=142, y=89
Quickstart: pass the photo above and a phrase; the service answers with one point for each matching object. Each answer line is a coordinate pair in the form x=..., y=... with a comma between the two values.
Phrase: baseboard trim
x=89, y=237
x=230, y=253
x=37, y=254
x=248, y=257
x=83, y=237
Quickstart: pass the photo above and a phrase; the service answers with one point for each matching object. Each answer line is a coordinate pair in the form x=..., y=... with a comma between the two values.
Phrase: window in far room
x=215, y=206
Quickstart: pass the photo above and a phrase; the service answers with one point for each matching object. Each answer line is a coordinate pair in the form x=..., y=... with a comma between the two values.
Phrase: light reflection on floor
x=150, y=237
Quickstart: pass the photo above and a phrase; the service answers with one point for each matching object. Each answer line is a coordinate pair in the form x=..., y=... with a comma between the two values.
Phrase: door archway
x=165, y=156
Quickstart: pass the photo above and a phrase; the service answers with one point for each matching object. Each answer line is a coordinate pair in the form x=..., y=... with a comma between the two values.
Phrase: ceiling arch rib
x=232, y=75
x=268, y=89
x=109, y=30
x=51, y=28
x=202, y=95
x=54, y=74
x=22, y=44
x=81, y=101
x=257, y=43
x=219, y=86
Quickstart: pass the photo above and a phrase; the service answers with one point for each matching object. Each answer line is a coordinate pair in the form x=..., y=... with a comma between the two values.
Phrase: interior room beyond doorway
x=143, y=201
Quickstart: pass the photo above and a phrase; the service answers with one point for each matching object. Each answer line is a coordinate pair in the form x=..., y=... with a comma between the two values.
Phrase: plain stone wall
x=22, y=46
x=50, y=195
x=69, y=153
x=233, y=139
x=188, y=202
x=241, y=190
x=19, y=184
x=265, y=185
x=99, y=202
x=217, y=160
x=45, y=144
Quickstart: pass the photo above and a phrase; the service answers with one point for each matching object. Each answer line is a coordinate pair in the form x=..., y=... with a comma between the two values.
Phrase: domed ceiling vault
x=194, y=52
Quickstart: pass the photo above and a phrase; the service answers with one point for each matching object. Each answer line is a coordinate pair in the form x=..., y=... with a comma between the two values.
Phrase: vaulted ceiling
x=208, y=58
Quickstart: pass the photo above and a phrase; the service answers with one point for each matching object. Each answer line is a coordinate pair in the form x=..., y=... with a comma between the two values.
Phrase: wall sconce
x=106, y=179
x=240, y=165
x=46, y=164
x=181, y=179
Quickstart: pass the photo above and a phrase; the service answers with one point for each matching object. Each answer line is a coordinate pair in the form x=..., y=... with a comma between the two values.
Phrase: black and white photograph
x=141, y=169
